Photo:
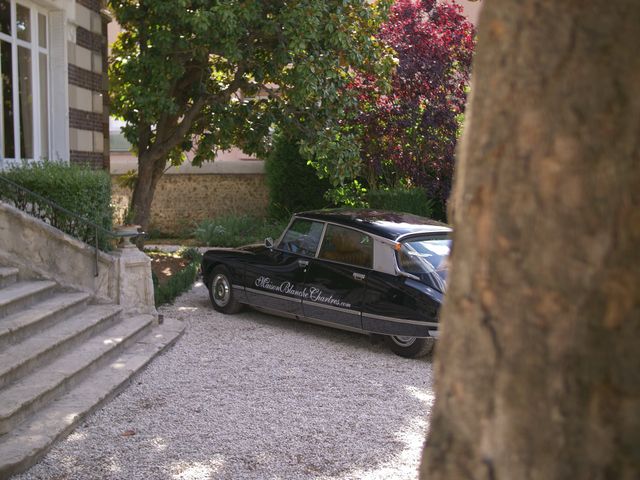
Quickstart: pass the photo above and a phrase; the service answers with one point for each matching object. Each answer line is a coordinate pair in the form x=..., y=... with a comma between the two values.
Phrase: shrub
x=179, y=283
x=410, y=131
x=190, y=253
x=412, y=200
x=233, y=231
x=293, y=184
x=81, y=190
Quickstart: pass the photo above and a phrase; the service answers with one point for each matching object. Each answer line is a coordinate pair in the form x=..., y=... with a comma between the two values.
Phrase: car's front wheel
x=410, y=347
x=221, y=291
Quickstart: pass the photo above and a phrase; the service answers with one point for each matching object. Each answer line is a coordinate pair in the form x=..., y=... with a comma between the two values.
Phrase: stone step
x=18, y=326
x=23, y=397
x=33, y=352
x=18, y=296
x=26, y=444
x=8, y=276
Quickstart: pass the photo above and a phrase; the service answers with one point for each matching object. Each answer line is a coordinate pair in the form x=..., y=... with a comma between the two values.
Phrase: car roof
x=390, y=225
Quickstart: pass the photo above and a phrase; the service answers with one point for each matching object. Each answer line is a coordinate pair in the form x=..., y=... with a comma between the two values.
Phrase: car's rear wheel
x=410, y=347
x=221, y=291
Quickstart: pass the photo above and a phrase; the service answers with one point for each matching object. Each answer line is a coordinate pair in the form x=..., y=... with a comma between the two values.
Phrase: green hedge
x=412, y=200
x=294, y=185
x=179, y=282
x=81, y=190
x=234, y=231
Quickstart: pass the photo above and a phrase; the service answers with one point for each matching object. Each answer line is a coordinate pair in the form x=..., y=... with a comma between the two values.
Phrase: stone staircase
x=61, y=356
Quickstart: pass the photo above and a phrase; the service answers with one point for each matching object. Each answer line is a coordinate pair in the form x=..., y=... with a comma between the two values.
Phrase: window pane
x=44, y=107
x=25, y=92
x=347, y=246
x=42, y=30
x=427, y=258
x=23, y=22
x=303, y=237
x=6, y=86
x=5, y=17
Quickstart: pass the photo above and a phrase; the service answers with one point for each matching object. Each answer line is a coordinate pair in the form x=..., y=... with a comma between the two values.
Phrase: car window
x=302, y=237
x=347, y=246
x=426, y=257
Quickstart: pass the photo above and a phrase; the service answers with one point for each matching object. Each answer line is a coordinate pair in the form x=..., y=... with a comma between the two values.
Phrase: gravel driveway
x=251, y=396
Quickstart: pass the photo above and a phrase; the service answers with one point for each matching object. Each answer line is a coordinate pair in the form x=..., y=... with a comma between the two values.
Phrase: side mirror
x=268, y=242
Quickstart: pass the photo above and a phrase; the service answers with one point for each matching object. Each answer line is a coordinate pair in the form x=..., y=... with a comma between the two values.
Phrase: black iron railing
x=60, y=217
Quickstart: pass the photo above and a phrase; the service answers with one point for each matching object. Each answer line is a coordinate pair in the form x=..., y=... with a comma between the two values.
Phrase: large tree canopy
x=209, y=74
x=538, y=365
x=411, y=130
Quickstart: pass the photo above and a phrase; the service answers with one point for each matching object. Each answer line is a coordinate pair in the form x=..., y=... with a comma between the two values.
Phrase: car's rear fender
x=236, y=270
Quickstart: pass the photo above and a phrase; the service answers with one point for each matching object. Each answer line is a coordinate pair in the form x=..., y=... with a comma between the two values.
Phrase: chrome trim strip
x=275, y=295
x=329, y=222
x=441, y=231
x=302, y=318
x=330, y=307
x=399, y=320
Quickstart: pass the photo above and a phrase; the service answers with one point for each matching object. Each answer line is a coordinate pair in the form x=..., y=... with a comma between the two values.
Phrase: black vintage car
x=367, y=271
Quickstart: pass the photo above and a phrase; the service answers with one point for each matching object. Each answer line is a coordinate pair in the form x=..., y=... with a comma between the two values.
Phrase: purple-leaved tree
x=410, y=132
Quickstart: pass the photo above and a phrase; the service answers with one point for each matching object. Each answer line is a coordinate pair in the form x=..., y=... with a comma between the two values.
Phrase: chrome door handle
x=303, y=263
x=359, y=276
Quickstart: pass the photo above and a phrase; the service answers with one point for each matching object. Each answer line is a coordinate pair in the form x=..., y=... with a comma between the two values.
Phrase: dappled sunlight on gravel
x=252, y=396
x=196, y=471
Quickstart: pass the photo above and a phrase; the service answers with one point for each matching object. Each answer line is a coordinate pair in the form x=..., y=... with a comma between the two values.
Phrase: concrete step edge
x=26, y=445
x=8, y=276
x=23, y=397
x=23, y=294
x=8, y=271
x=15, y=327
x=30, y=354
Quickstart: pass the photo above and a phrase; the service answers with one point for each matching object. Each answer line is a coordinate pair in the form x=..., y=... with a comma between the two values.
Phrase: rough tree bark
x=153, y=155
x=538, y=366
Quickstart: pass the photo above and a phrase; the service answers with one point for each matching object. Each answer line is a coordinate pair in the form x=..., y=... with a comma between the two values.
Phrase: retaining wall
x=182, y=201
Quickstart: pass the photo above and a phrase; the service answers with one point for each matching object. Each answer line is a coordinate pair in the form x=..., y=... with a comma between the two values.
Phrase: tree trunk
x=154, y=154
x=538, y=366
x=150, y=171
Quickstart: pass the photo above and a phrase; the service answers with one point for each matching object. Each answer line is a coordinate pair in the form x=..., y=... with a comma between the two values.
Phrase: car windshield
x=427, y=258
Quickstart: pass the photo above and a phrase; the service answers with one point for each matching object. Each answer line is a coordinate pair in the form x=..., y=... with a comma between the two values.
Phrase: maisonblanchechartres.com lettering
x=307, y=293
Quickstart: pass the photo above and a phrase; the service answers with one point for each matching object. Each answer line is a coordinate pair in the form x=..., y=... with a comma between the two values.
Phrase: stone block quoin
x=89, y=40
x=95, y=82
x=94, y=5
x=86, y=120
x=85, y=79
x=95, y=160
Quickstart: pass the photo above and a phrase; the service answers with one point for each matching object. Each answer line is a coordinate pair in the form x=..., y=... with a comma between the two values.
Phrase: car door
x=399, y=306
x=335, y=282
x=275, y=278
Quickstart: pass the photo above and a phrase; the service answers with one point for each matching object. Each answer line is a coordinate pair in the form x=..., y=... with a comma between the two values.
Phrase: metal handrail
x=96, y=228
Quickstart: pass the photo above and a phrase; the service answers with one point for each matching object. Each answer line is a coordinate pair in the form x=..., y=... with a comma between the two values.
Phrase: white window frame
x=35, y=49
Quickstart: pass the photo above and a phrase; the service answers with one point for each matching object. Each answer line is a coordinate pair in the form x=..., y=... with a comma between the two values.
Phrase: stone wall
x=182, y=201
x=40, y=251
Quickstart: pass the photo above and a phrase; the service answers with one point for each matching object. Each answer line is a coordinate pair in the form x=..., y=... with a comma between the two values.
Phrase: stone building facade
x=53, y=66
